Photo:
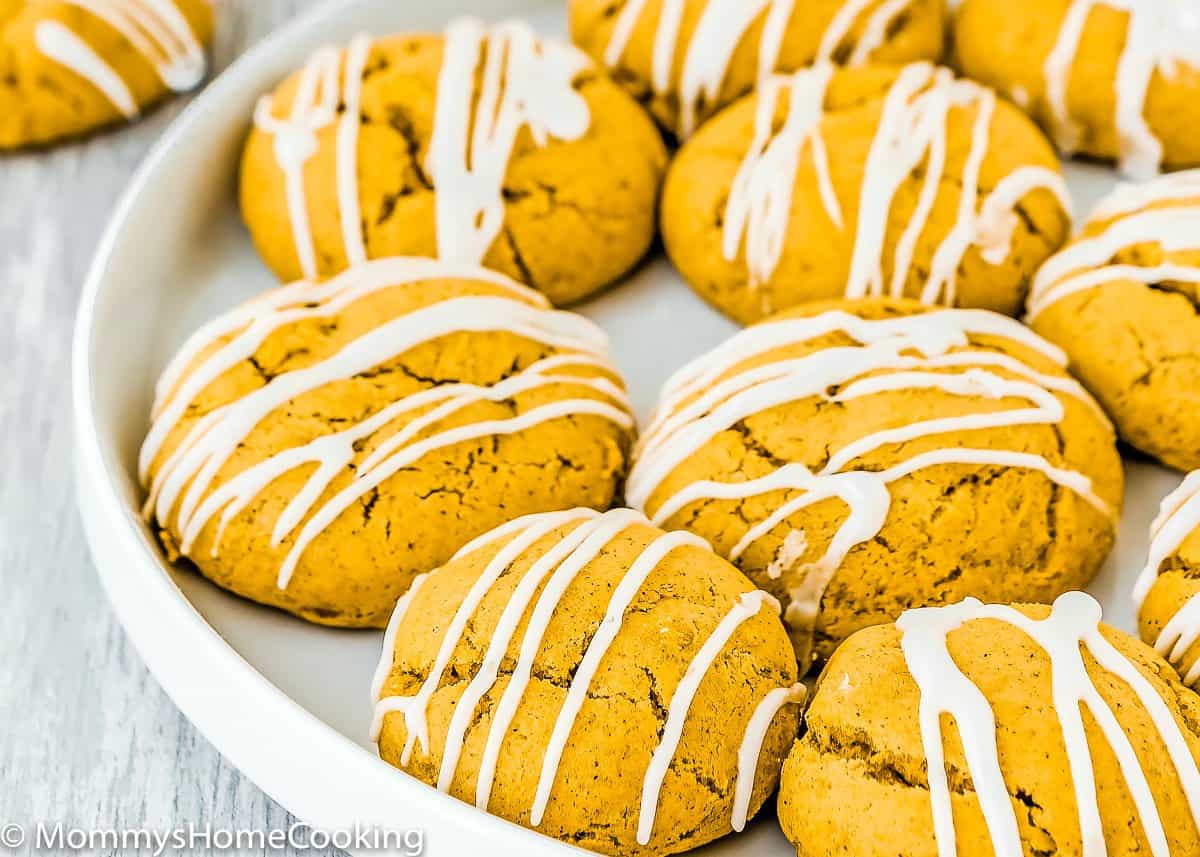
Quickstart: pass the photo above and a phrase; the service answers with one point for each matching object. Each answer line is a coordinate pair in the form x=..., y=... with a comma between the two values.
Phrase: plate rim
x=205, y=677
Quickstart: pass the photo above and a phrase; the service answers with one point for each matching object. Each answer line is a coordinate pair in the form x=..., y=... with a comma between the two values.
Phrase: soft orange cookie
x=858, y=458
x=318, y=447
x=68, y=67
x=1123, y=300
x=594, y=678
x=995, y=729
x=486, y=146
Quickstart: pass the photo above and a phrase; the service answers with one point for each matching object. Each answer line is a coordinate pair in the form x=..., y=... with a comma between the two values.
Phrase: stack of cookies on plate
x=840, y=564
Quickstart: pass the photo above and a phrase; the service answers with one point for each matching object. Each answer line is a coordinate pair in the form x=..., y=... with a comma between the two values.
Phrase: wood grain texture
x=86, y=736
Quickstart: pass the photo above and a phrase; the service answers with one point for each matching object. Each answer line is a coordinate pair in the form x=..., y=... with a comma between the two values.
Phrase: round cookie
x=1111, y=79
x=686, y=59
x=1031, y=729
x=594, y=678
x=858, y=458
x=69, y=67
x=382, y=150
x=1121, y=299
x=318, y=447
x=874, y=181
x=1167, y=594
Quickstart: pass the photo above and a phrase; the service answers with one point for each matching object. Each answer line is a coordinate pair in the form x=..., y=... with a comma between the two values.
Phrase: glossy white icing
x=536, y=596
x=928, y=351
x=524, y=84
x=681, y=702
x=760, y=199
x=328, y=91
x=1165, y=212
x=156, y=29
x=720, y=29
x=61, y=44
x=607, y=631
x=183, y=488
x=1178, y=518
x=1160, y=36
x=415, y=708
x=751, y=748
x=1072, y=628
x=913, y=131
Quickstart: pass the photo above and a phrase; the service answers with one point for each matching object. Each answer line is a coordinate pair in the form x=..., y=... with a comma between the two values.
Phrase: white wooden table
x=86, y=736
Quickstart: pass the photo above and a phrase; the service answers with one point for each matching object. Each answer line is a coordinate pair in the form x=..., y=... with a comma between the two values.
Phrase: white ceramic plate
x=285, y=701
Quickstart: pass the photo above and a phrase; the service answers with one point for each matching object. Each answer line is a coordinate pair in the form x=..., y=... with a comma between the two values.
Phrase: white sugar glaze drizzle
x=681, y=702
x=913, y=129
x=1072, y=626
x=720, y=29
x=387, y=661
x=181, y=487
x=526, y=84
x=1165, y=212
x=751, y=748
x=1178, y=518
x=1128, y=197
x=582, y=535
x=330, y=81
x=156, y=29
x=917, y=352
x=1160, y=36
x=760, y=199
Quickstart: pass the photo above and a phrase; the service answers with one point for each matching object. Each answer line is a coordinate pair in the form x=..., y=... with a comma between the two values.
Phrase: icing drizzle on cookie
x=582, y=535
x=526, y=84
x=932, y=350
x=1160, y=36
x=1072, y=627
x=156, y=29
x=494, y=84
x=1178, y=518
x=720, y=29
x=913, y=130
x=328, y=90
x=1165, y=212
x=186, y=489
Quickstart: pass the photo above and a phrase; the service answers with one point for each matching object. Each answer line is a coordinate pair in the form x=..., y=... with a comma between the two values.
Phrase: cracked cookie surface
x=1111, y=79
x=860, y=781
x=388, y=148
x=858, y=458
x=318, y=447
x=686, y=59
x=70, y=68
x=874, y=181
x=593, y=677
x=1123, y=300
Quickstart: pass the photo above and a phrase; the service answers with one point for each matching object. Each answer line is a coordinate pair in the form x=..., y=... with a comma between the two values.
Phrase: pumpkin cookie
x=1167, y=594
x=859, y=458
x=485, y=146
x=980, y=729
x=321, y=445
x=594, y=678
x=864, y=182
x=1123, y=300
x=1111, y=79
x=68, y=67
x=686, y=59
